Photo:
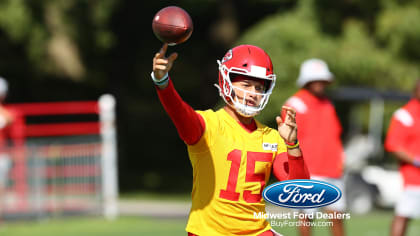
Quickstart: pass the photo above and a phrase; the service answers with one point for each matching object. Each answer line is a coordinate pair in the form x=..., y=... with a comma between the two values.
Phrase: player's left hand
x=287, y=128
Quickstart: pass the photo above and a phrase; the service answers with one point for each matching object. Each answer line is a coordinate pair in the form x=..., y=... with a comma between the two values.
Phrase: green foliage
x=53, y=34
x=332, y=15
x=357, y=61
x=15, y=19
x=398, y=32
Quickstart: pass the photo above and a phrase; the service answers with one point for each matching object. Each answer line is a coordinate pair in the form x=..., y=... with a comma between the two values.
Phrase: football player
x=402, y=140
x=232, y=154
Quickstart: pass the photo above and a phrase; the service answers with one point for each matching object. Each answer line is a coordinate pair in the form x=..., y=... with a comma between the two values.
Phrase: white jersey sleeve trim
x=297, y=104
x=404, y=117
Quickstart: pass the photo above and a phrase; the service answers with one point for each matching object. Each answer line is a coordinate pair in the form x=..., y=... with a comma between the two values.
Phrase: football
x=172, y=25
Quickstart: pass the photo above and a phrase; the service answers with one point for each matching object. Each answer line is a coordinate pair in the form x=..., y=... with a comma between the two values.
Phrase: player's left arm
x=294, y=167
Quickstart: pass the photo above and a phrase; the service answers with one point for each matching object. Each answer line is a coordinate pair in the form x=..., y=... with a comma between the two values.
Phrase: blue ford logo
x=302, y=193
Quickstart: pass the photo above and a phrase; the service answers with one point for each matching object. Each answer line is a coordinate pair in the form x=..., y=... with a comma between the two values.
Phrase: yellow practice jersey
x=230, y=169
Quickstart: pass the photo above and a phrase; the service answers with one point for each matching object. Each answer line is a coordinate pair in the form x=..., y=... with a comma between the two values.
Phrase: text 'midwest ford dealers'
x=302, y=193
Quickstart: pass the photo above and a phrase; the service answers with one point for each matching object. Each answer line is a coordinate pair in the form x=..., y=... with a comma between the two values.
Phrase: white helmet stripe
x=258, y=71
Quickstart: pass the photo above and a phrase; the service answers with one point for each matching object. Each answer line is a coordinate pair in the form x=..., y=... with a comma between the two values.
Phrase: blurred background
x=76, y=51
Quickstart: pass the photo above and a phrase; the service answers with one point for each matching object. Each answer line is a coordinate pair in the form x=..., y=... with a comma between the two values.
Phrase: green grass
x=183, y=197
x=372, y=224
x=126, y=226
x=376, y=223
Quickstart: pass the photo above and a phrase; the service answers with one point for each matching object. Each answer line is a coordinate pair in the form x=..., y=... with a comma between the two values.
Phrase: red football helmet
x=250, y=61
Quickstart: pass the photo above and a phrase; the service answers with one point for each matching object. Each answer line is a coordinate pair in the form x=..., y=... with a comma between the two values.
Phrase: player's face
x=248, y=90
x=317, y=88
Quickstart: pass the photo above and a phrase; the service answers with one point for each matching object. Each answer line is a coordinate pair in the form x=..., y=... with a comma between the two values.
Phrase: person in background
x=10, y=131
x=403, y=141
x=6, y=119
x=319, y=134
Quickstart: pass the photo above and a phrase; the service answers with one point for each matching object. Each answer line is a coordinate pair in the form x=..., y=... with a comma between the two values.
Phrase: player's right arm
x=405, y=157
x=189, y=124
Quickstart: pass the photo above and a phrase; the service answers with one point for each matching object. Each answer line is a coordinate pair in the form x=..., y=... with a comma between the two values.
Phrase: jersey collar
x=251, y=128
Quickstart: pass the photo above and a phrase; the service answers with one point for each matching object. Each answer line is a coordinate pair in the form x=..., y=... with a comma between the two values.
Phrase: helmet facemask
x=226, y=89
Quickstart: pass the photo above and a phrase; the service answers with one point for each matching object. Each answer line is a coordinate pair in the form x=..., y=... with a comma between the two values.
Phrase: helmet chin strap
x=245, y=110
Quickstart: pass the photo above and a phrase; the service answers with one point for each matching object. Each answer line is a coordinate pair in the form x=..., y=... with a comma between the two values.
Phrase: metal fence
x=63, y=168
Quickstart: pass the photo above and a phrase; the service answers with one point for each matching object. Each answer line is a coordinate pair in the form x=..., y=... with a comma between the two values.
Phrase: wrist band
x=292, y=145
x=163, y=81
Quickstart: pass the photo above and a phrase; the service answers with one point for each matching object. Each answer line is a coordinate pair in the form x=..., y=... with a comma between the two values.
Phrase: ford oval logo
x=302, y=193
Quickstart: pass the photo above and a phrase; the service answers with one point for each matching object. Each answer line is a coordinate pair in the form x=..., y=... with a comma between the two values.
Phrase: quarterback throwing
x=232, y=154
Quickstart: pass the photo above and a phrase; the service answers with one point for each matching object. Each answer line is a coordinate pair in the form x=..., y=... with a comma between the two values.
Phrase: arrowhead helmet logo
x=227, y=57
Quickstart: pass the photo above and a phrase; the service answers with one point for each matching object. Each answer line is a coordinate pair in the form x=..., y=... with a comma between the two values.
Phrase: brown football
x=172, y=25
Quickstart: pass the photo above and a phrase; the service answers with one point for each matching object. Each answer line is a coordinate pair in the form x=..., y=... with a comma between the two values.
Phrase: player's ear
x=279, y=120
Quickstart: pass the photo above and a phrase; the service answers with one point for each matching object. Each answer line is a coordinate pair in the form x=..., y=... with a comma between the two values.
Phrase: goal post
x=109, y=156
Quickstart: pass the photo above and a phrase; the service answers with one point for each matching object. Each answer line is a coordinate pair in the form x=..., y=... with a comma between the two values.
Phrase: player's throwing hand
x=161, y=64
x=287, y=128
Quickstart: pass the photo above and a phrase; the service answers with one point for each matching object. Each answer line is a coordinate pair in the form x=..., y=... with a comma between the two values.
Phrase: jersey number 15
x=252, y=157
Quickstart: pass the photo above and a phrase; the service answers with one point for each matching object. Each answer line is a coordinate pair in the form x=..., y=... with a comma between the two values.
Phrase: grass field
x=372, y=224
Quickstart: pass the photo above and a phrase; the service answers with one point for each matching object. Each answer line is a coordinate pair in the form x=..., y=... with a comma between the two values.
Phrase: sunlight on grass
x=96, y=226
x=375, y=223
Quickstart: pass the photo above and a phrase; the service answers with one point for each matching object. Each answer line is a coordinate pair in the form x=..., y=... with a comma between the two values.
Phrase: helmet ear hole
x=267, y=85
x=245, y=65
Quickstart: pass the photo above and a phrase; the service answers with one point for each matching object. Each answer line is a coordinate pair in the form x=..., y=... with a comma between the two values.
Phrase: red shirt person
x=319, y=132
x=403, y=141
